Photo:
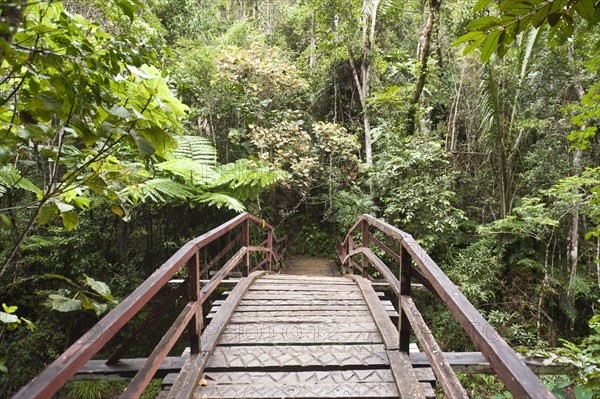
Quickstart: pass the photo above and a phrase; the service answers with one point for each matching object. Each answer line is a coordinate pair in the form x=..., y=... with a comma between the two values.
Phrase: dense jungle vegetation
x=128, y=127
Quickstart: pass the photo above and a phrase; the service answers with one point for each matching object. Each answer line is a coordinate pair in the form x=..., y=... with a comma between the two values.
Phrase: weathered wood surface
x=289, y=337
x=311, y=266
x=461, y=362
x=405, y=379
x=445, y=375
x=295, y=357
x=192, y=369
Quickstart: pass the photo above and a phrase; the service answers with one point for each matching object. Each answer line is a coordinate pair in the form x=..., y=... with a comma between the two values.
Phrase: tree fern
x=192, y=171
x=160, y=191
x=197, y=149
x=221, y=200
x=245, y=179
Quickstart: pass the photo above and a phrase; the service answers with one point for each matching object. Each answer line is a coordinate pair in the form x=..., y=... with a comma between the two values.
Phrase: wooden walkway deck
x=306, y=336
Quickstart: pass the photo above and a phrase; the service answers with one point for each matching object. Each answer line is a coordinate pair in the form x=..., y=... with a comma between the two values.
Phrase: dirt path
x=311, y=266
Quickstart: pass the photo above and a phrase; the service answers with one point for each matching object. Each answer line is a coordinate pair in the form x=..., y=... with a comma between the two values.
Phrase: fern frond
x=566, y=305
x=11, y=178
x=195, y=172
x=195, y=148
x=159, y=191
x=221, y=200
x=245, y=179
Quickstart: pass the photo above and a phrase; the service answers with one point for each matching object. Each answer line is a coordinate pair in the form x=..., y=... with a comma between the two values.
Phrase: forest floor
x=311, y=266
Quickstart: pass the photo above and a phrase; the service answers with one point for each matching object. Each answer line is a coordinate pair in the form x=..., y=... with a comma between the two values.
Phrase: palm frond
x=492, y=136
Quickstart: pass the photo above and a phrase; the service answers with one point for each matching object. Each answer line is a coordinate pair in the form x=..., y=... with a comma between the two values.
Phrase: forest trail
x=311, y=266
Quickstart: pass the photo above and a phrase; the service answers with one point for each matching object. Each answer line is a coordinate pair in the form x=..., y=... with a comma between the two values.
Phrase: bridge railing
x=414, y=262
x=46, y=384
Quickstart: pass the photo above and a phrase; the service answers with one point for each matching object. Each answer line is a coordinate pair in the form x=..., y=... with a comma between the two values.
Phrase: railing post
x=246, y=243
x=195, y=325
x=365, y=244
x=344, y=253
x=270, y=246
x=404, y=278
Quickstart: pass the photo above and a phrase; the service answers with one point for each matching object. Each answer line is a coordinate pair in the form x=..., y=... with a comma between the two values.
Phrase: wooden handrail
x=49, y=381
x=518, y=378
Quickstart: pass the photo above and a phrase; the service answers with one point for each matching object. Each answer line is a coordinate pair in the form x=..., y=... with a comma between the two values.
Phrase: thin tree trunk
x=313, y=46
x=362, y=80
x=424, y=49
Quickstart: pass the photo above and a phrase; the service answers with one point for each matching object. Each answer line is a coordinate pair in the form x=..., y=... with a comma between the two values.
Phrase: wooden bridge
x=292, y=335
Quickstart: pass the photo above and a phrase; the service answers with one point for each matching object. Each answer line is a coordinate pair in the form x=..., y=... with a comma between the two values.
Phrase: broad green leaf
x=474, y=35
x=8, y=318
x=483, y=23
x=120, y=112
x=70, y=220
x=100, y=287
x=6, y=220
x=62, y=207
x=481, y=4
x=58, y=276
x=82, y=202
x=586, y=9
x=63, y=304
x=489, y=45
x=9, y=309
x=128, y=7
x=474, y=44
x=553, y=18
x=47, y=213
x=139, y=73
x=117, y=210
x=146, y=148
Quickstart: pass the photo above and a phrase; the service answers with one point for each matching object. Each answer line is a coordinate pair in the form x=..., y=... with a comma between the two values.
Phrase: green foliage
x=494, y=34
x=88, y=294
x=11, y=321
x=583, y=357
x=415, y=189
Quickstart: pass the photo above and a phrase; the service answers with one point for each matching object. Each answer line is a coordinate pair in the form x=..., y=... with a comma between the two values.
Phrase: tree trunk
x=12, y=13
x=423, y=55
x=362, y=81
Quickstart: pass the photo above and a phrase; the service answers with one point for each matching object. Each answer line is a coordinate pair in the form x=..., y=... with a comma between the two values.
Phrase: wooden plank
x=348, y=390
x=302, y=302
x=444, y=373
x=406, y=381
x=304, y=287
x=461, y=362
x=476, y=363
x=287, y=279
x=297, y=357
x=298, y=295
x=193, y=368
x=322, y=336
x=297, y=319
x=281, y=314
x=295, y=308
x=303, y=328
x=308, y=377
x=378, y=312
x=404, y=375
